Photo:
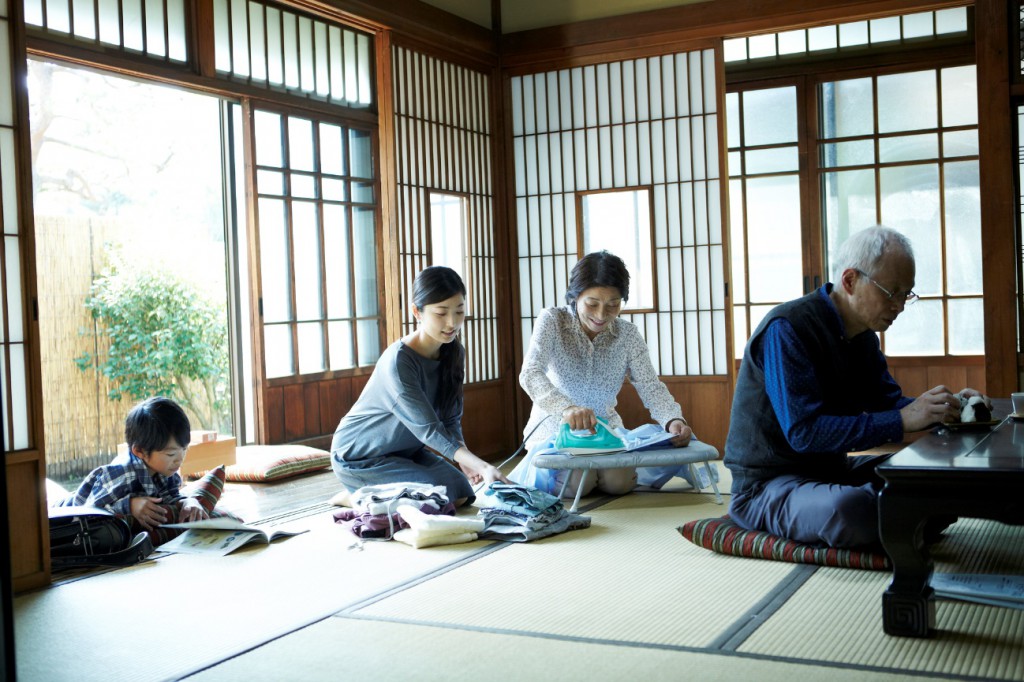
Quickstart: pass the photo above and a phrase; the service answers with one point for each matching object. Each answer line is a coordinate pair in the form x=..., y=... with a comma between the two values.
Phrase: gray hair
x=863, y=250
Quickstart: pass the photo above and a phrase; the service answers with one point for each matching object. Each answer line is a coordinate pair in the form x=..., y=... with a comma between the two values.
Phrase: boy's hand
x=148, y=511
x=191, y=510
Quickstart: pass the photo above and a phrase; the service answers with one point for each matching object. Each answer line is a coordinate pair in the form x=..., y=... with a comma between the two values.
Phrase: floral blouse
x=563, y=367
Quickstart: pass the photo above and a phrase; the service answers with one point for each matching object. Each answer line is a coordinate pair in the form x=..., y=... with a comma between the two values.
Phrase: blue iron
x=583, y=442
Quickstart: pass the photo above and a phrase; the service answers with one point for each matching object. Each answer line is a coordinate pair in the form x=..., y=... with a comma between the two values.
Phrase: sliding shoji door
x=639, y=124
x=443, y=165
x=24, y=459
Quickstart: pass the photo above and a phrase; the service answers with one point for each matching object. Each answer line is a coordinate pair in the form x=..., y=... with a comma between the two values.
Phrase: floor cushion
x=725, y=537
x=263, y=463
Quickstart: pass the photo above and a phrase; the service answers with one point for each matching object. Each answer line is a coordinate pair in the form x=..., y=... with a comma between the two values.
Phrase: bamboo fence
x=81, y=425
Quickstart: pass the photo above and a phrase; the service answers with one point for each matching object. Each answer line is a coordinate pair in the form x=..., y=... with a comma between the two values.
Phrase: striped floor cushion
x=265, y=463
x=207, y=490
x=725, y=537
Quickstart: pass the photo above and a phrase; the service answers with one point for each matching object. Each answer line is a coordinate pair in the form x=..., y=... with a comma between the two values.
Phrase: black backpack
x=90, y=536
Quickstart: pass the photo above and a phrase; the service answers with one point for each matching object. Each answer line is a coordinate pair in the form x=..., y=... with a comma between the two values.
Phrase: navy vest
x=847, y=372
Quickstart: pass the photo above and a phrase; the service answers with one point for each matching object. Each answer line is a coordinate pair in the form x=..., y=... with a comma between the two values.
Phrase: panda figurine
x=975, y=408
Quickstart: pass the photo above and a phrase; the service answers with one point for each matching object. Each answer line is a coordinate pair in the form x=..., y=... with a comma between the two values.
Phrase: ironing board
x=694, y=453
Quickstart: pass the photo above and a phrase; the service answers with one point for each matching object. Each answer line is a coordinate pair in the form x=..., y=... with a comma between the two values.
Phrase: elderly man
x=815, y=386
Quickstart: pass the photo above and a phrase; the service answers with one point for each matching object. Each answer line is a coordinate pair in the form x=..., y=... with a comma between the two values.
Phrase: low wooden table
x=958, y=472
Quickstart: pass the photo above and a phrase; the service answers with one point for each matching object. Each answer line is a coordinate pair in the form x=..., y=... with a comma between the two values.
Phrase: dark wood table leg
x=908, y=605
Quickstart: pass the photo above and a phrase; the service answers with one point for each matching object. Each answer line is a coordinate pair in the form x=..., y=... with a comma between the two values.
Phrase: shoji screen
x=443, y=144
x=649, y=122
x=13, y=351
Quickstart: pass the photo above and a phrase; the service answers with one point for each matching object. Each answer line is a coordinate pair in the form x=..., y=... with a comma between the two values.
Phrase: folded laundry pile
x=517, y=513
x=415, y=513
x=427, y=530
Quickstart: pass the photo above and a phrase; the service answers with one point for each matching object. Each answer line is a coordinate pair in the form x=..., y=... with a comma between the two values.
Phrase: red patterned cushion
x=725, y=537
x=263, y=463
x=207, y=491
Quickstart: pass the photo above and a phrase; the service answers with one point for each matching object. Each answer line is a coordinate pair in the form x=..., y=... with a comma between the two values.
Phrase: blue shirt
x=112, y=486
x=792, y=390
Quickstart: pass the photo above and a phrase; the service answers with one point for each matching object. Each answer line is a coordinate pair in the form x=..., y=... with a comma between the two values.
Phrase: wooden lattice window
x=155, y=28
x=275, y=48
x=640, y=122
x=317, y=215
x=443, y=159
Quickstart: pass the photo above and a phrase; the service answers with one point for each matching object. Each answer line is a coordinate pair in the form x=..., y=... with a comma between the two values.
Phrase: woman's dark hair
x=598, y=269
x=152, y=423
x=433, y=285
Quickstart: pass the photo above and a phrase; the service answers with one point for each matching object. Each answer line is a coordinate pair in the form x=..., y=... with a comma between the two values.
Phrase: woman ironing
x=413, y=401
x=578, y=358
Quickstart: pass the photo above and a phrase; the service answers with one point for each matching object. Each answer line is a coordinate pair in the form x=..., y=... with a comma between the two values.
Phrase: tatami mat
x=836, y=616
x=162, y=619
x=630, y=577
x=351, y=649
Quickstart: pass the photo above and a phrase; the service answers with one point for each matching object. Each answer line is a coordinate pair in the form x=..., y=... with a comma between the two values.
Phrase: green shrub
x=165, y=338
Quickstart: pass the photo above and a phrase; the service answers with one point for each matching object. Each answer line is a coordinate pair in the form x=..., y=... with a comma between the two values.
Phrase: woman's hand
x=477, y=470
x=580, y=418
x=682, y=433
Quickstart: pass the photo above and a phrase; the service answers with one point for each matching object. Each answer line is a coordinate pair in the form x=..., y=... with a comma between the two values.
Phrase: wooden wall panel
x=917, y=375
x=273, y=413
x=484, y=420
x=311, y=407
x=294, y=413
x=26, y=495
x=335, y=400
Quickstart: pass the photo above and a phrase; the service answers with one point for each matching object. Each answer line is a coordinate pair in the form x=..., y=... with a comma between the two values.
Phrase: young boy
x=144, y=483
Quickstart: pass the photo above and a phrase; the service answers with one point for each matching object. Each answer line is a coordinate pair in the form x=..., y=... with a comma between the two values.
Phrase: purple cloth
x=383, y=526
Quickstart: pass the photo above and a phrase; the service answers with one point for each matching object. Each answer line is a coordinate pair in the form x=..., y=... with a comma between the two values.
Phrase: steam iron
x=584, y=442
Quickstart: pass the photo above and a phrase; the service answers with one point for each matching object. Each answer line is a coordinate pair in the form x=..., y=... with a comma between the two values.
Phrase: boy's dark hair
x=598, y=269
x=435, y=284
x=152, y=423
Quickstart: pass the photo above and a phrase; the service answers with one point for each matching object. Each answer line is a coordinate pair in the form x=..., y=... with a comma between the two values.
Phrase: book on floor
x=221, y=536
x=996, y=590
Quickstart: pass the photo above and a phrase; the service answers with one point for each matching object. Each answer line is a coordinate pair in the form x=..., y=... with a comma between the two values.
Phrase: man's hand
x=931, y=407
x=148, y=511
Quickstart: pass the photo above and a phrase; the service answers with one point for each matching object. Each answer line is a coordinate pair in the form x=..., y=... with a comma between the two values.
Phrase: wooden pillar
x=999, y=212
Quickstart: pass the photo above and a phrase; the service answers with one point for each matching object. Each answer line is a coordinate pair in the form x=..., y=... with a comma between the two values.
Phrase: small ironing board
x=695, y=453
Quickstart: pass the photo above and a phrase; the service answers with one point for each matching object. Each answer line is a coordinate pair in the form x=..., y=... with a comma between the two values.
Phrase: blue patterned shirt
x=792, y=390
x=112, y=486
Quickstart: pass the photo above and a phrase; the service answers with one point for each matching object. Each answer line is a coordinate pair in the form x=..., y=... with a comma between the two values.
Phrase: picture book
x=221, y=536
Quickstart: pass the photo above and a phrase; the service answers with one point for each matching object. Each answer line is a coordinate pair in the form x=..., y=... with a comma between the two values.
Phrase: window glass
x=776, y=118
x=773, y=238
x=907, y=101
x=620, y=222
x=448, y=233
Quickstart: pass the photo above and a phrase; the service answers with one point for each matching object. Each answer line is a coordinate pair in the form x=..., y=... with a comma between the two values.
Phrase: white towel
x=416, y=538
x=422, y=521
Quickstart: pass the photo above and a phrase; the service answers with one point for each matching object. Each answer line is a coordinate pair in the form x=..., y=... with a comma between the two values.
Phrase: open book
x=221, y=535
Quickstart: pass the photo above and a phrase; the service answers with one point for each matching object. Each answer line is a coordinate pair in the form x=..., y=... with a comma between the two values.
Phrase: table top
x=998, y=448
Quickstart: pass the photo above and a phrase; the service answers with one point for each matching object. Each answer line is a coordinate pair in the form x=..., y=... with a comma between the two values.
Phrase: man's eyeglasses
x=907, y=298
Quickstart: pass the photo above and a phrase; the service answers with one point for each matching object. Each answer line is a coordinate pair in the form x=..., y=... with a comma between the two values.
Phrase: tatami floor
x=627, y=598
